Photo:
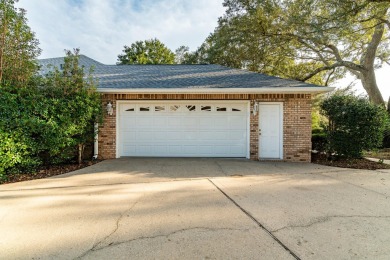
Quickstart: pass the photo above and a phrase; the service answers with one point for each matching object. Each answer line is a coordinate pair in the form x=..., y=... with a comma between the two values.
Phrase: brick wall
x=296, y=121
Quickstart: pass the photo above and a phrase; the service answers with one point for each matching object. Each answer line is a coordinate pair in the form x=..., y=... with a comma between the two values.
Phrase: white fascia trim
x=277, y=90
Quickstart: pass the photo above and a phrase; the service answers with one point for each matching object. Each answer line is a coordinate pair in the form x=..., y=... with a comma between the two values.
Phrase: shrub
x=354, y=125
x=49, y=121
x=318, y=140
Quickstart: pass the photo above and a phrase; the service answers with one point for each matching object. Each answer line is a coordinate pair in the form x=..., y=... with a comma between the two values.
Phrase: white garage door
x=183, y=129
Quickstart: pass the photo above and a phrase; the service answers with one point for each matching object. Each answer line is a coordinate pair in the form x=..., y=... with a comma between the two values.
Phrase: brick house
x=201, y=111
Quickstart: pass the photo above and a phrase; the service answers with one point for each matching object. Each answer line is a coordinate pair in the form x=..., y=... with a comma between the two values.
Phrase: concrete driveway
x=152, y=208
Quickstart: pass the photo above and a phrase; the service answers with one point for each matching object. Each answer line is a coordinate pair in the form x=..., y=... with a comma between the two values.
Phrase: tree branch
x=356, y=73
x=387, y=22
x=331, y=67
x=330, y=75
x=315, y=50
x=335, y=52
x=349, y=65
x=368, y=58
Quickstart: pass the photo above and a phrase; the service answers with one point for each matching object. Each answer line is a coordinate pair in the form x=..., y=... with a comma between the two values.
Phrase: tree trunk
x=369, y=84
x=388, y=106
x=80, y=153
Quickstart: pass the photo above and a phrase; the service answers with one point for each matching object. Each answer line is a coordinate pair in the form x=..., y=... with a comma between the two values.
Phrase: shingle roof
x=174, y=76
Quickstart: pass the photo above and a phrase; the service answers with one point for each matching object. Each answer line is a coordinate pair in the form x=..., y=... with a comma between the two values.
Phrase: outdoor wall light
x=109, y=108
x=255, y=108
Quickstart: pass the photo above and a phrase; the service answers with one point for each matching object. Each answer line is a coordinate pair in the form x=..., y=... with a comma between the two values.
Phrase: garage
x=183, y=129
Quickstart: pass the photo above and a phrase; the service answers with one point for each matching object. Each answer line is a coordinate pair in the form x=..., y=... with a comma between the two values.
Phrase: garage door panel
x=174, y=135
x=145, y=150
x=237, y=122
x=220, y=121
x=206, y=122
x=159, y=149
x=190, y=150
x=190, y=135
x=145, y=136
x=206, y=149
x=160, y=135
x=130, y=150
x=217, y=135
x=127, y=123
x=174, y=149
x=236, y=135
x=222, y=149
x=131, y=136
x=181, y=129
x=144, y=121
x=160, y=122
x=189, y=122
x=174, y=121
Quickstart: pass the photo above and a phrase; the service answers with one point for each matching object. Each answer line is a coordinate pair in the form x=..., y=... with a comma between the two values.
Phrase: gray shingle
x=174, y=76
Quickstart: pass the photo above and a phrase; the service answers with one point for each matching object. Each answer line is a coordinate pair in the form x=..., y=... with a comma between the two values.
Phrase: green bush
x=354, y=125
x=47, y=121
x=318, y=140
x=15, y=151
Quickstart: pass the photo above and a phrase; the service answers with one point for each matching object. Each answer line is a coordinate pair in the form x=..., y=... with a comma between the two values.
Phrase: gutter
x=275, y=90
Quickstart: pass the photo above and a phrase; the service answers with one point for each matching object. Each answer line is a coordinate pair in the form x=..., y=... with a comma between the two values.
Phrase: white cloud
x=102, y=27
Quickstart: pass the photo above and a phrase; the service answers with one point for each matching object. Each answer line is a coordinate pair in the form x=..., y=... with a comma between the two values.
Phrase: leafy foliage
x=182, y=55
x=48, y=122
x=355, y=124
x=314, y=41
x=146, y=52
x=18, y=46
x=75, y=106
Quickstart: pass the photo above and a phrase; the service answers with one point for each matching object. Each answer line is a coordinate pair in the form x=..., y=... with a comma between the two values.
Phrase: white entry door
x=271, y=130
x=183, y=129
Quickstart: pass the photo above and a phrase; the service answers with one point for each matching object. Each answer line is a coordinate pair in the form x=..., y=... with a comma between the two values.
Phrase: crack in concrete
x=116, y=227
x=117, y=223
x=95, y=249
x=320, y=220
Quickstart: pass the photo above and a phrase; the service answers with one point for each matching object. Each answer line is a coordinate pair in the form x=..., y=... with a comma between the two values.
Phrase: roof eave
x=277, y=90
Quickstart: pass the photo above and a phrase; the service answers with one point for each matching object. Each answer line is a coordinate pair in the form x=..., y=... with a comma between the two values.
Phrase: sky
x=100, y=28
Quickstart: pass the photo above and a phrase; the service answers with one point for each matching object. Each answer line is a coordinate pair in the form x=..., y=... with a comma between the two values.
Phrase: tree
x=239, y=42
x=309, y=40
x=74, y=106
x=146, y=52
x=181, y=54
x=18, y=46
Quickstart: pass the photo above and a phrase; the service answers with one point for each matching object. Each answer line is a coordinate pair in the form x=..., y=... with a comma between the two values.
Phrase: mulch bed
x=348, y=163
x=47, y=171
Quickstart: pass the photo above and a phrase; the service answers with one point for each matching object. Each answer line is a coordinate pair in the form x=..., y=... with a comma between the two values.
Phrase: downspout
x=96, y=142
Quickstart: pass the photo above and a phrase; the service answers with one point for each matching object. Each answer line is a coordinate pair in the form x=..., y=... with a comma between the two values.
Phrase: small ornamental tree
x=354, y=125
x=75, y=107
